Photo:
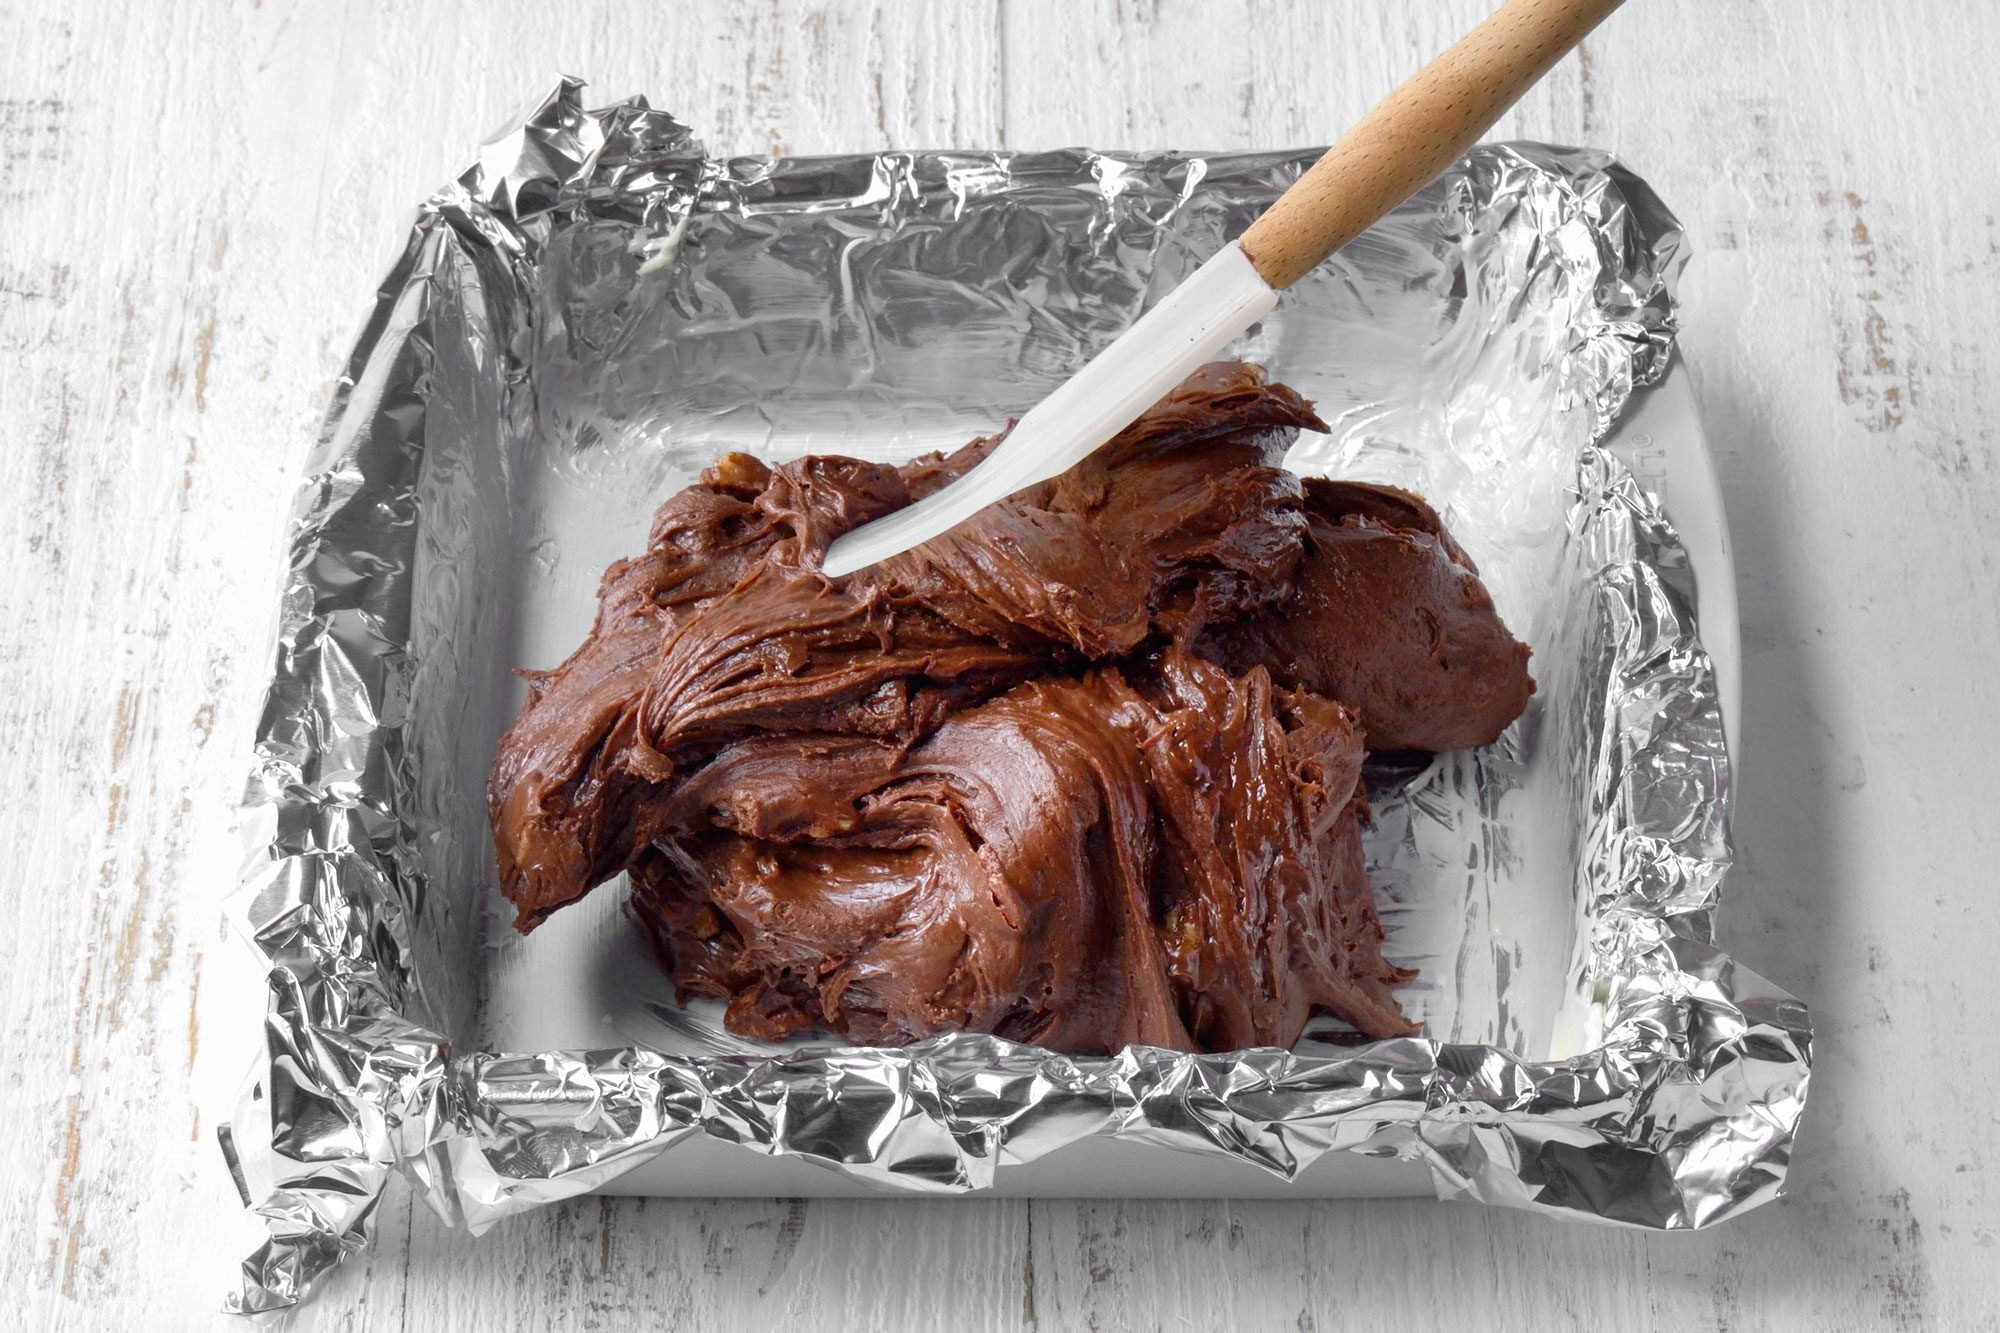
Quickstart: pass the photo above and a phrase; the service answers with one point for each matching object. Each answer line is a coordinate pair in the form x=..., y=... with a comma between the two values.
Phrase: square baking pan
x=597, y=309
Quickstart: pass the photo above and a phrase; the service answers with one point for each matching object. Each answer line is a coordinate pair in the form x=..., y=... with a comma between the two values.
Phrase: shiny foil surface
x=596, y=309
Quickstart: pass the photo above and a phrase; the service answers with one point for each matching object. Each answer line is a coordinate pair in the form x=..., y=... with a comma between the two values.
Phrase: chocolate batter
x=1084, y=771
x=1389, y=617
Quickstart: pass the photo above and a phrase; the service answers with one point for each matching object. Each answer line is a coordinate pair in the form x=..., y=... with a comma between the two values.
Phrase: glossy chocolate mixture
x=1389, y=617
x=1084, y=771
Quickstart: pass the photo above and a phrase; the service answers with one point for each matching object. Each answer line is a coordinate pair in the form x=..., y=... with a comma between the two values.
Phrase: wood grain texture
x=196, y=200
x=1417, y=130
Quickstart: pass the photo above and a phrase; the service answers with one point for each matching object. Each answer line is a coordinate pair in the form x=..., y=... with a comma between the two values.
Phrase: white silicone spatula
x=1397, y=148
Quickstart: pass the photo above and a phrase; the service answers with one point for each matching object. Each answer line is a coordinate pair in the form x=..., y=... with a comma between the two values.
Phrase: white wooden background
x=196, y=200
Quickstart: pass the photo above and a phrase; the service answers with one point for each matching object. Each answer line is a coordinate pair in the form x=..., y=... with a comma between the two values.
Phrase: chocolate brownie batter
x=1084, y=771
x=1389, y=617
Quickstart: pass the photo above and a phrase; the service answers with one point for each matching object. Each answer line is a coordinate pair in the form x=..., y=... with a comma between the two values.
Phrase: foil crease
x=525, y=302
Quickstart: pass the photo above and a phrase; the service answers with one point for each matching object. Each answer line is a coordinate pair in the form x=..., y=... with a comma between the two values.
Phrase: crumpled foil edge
x=1682, y=1115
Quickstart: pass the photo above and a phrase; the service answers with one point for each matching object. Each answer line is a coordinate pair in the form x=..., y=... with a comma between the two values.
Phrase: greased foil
x=598, y=301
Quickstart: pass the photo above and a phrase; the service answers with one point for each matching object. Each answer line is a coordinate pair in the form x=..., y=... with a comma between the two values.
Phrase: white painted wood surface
x=195, y=202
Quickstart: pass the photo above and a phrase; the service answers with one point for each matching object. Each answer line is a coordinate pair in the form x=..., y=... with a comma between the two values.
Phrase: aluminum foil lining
x=599, y=304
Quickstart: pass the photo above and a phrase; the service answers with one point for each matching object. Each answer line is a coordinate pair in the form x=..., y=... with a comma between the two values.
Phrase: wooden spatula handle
x=1416, y=132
